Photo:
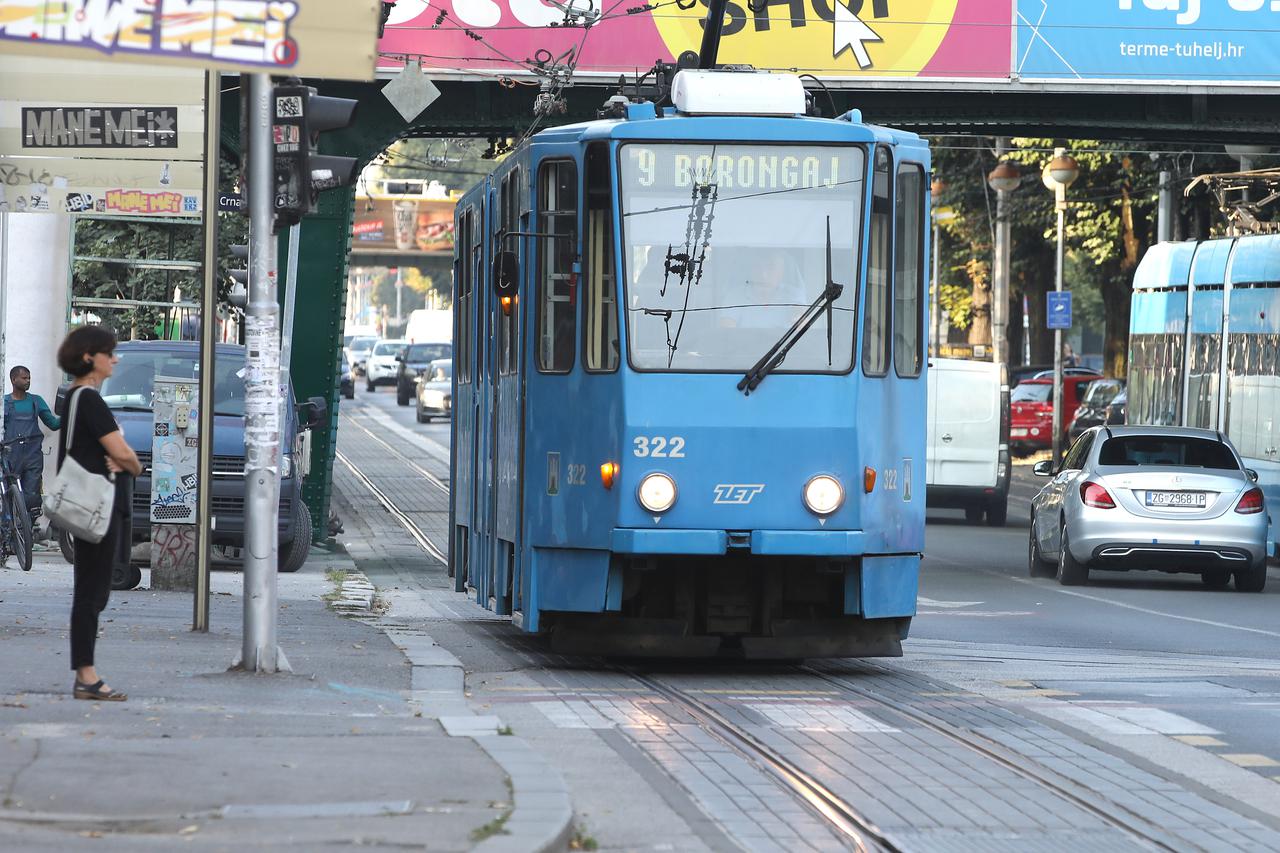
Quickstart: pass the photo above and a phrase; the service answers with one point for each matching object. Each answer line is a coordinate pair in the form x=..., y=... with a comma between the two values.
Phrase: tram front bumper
x=810, y=543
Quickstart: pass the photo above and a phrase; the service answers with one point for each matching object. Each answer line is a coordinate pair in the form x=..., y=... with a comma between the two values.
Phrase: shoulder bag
x=79, y=501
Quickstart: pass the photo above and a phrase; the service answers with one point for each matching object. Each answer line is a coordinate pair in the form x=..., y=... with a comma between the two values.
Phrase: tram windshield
x=726, y=245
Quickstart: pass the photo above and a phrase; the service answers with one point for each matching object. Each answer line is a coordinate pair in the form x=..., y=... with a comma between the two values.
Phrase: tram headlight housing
x=657, y=492
x=823, y=494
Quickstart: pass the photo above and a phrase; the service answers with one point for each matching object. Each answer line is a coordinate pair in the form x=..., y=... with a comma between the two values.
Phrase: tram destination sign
x=1133, y=44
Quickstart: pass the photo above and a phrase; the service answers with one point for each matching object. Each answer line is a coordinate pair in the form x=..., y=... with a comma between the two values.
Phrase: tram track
x=843, y=818
x=414, y=466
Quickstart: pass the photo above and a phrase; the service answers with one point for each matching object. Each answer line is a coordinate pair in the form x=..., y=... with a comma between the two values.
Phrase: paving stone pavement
x=883, y=742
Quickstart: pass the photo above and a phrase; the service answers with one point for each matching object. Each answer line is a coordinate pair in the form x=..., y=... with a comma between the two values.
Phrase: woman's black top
x=93, y=421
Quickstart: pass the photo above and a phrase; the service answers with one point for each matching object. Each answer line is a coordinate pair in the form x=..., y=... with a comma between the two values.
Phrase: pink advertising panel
x=905, y=39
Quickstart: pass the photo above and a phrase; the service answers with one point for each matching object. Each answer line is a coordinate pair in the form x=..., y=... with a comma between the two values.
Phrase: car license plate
x=1191, y=499
x=1017, y=433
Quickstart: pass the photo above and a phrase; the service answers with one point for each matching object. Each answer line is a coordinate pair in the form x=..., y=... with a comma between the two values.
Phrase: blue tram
x=689, y=378
x=1204, y=346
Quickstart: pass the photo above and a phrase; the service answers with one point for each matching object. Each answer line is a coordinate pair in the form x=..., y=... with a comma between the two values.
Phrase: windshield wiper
x=778, y=352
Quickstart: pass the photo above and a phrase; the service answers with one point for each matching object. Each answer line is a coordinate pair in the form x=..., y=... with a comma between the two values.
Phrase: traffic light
x=239, y=295
x=301, y=173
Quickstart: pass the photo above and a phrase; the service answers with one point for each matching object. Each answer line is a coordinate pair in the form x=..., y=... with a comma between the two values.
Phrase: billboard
x=905, y=39
x=403, y=225
x=316, y=38
x=97, y=137
x=1154, y=42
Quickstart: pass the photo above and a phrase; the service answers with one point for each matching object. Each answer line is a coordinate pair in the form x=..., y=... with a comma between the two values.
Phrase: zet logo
x=893, y=38
x=732, y=493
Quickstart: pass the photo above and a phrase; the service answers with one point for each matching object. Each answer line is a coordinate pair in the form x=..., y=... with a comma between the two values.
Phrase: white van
x=967, y=462
x=429, y=326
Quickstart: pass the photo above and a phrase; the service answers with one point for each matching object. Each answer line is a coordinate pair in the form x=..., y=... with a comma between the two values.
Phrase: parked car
x=358, y=352
x=346, y=384
x=128, y=393
x=1093, y=406
x=1163, y=499
x=413, y=362
x=1117, y=411
x=435, y=391
x=1031, y=410
x=381, y=365
x=1038, y=371
x=967, y=458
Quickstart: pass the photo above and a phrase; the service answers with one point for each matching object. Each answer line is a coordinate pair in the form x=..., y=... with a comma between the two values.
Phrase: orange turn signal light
x=868, y=480
x=507, y=302
x=608, y=473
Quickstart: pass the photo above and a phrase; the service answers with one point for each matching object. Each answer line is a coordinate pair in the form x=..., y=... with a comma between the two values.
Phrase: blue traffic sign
x=1059, y=313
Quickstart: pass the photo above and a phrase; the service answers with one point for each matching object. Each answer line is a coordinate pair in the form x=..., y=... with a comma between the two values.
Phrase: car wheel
x=402, y=396
x=1037, y=565
x=125, y=577
x=973, y=514
x=1254, y=579
x=1071, y=572
x=369, y=386
x=1215, y=579
x=997, y=514
x=294, y=554
x=350, y=393
x=422, y=418
x=67, y=545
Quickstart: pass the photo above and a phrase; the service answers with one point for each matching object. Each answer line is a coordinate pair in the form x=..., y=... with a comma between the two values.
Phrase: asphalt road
x=1147, y=640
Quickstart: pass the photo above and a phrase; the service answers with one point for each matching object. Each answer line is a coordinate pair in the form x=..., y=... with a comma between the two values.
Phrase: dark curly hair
x=82, y=342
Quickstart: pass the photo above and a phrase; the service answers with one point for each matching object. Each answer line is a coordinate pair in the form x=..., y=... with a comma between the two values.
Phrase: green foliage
x=128, y=239
x=957, y=301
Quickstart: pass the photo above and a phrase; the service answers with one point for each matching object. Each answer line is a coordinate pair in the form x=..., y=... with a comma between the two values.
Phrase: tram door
x=468, y=287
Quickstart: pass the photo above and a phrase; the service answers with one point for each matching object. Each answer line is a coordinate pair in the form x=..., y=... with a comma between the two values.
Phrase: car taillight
x=1250, y=502
x=1095, y=496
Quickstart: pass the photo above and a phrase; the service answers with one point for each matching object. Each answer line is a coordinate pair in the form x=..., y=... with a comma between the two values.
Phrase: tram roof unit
x=1256, y=260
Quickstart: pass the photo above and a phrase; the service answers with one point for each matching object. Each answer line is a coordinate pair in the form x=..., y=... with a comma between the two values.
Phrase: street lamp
x=1061, y=173
x=1004, y=179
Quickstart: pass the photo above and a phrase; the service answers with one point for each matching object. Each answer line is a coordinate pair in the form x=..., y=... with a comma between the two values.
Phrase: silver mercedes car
x=1163, y=499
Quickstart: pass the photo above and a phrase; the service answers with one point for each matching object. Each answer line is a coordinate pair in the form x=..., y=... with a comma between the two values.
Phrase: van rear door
x=965, y=423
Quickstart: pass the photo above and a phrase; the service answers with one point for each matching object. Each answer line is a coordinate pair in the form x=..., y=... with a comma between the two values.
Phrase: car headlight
x=657, y=492
x=823, y=494
x=286, y=467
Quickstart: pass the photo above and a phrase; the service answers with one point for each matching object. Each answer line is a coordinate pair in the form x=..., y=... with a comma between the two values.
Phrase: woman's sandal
x=98, y=692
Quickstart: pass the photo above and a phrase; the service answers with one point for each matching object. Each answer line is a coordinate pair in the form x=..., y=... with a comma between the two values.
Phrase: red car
x=1031, y=410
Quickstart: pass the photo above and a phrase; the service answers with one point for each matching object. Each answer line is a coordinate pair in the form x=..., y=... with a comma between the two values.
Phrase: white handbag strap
x=71, y=421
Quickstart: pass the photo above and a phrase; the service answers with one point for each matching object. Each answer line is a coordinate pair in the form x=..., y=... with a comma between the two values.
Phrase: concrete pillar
x=35, y=272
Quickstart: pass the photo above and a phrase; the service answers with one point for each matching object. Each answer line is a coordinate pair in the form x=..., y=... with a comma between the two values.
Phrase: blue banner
x=1152, y=41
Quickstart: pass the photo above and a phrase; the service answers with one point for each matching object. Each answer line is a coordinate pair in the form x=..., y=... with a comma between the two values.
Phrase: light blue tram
x=689, y=382
x=1188, y=299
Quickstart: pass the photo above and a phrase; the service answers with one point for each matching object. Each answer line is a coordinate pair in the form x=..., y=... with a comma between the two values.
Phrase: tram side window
x=600, y=344
x=908, y=278
x=462, y=272
x=557, y=214
x=875, y=327
x=508, y=327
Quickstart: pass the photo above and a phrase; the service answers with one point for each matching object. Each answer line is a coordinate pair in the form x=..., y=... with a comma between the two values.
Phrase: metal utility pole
x=1000, y=273
x=1167, y=211
x=208, y=326
x=1060, y=196
x=259, y=652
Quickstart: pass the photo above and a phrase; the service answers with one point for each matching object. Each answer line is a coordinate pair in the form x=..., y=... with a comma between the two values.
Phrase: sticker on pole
x=1059, y=310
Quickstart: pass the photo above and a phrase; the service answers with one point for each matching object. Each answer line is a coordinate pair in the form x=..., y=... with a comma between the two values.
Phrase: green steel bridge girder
x=491, y=109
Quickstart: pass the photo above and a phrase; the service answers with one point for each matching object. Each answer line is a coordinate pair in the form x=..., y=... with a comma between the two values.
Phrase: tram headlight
x=657, y=492
x=823, y=495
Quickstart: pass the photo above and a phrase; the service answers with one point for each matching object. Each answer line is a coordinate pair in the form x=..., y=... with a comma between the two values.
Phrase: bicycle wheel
x=22, y=539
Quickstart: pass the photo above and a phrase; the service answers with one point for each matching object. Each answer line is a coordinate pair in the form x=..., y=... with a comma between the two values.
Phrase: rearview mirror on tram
x=506, y=274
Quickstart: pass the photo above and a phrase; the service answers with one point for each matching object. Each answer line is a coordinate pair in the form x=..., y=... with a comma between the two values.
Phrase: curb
x=541, y=820
x=354, y=595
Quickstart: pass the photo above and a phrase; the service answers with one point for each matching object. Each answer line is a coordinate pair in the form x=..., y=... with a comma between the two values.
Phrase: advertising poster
x=910, y=39
x=404, y=225
x=1153, y=42
x=97, y=137
x=315, y=38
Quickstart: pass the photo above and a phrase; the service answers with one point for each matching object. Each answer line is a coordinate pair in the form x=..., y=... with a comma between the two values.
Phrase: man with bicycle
x=22, y=413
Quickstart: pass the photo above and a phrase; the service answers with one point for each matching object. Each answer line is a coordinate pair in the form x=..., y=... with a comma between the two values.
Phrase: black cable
x=830, y=100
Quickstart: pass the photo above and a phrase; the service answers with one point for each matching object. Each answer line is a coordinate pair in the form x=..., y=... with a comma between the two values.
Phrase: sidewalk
x=338, y=754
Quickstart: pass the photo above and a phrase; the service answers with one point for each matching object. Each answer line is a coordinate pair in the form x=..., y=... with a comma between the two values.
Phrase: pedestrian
x=23, y=412
x=88, y=354
x=1069, y=356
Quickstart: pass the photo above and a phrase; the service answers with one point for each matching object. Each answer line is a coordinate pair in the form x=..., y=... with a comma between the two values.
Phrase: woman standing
x=97, y=443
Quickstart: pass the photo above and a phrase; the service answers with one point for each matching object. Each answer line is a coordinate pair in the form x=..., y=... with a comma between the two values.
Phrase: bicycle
x=16, y=537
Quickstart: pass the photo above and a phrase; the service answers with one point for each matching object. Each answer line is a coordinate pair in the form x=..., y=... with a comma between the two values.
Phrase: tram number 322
x=659, y=447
